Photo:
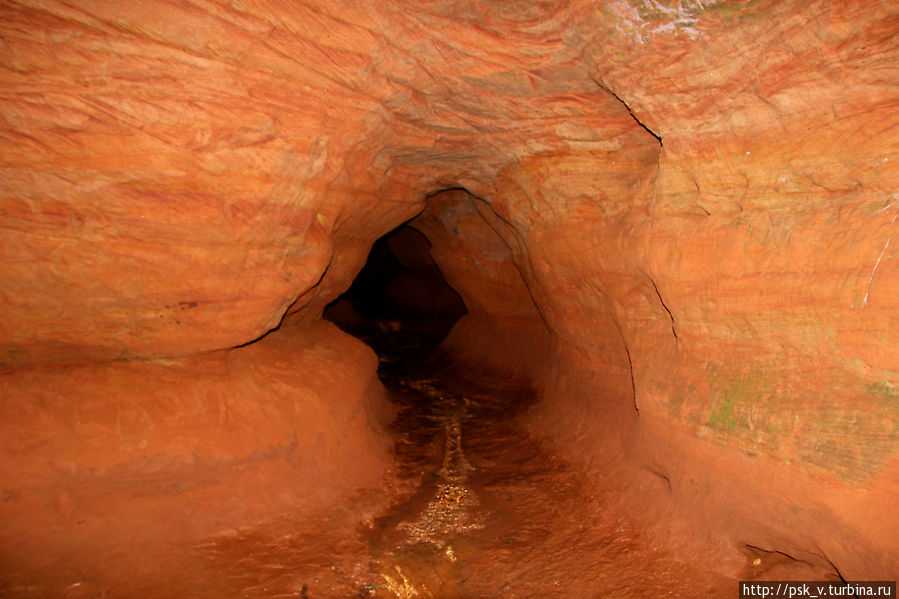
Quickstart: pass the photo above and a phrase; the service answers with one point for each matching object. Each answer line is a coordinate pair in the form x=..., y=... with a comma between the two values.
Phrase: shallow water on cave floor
x=481, y=510
x=495, y=513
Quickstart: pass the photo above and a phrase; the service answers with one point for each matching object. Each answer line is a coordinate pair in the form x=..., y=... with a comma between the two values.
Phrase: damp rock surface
x=676, y=222
x=494, y=512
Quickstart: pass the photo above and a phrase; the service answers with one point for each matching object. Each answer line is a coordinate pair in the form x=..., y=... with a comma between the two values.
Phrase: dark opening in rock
x=399, y=291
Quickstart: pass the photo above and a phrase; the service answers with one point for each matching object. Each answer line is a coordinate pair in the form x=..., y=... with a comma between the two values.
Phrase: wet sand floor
x=496, y=514
x=483, y=511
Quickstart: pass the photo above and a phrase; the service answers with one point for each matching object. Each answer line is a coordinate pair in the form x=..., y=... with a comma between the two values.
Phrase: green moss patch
x=737, y=407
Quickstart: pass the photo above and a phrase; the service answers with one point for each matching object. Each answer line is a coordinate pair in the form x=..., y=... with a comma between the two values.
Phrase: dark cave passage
x=484, y=508
x=487, y=507
x=399, y=296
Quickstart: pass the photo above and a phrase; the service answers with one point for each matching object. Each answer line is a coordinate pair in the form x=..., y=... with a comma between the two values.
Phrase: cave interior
x=447, y=299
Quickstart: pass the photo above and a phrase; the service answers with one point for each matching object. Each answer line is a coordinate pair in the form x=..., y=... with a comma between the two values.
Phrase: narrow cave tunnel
x=401, y=300
x=482, y=490
x=484, y=486
x=399, y=295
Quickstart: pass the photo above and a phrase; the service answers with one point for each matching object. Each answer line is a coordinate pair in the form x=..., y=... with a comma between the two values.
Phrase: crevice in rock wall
x=630, y=364
x=835, y=569
x=769, y=563
x=604, y=87
x=664, y=305
x=772, y=552
x=291, y=307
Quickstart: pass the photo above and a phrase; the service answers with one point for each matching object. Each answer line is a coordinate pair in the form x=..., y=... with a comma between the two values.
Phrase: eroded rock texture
x=680, y=223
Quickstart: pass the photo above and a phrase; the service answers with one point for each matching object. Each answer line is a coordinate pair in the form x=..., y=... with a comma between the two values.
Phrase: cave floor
x=479, y=509
x=492, y=512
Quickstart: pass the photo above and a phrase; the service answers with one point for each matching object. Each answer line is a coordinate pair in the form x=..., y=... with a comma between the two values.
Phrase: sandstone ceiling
x=144, y=143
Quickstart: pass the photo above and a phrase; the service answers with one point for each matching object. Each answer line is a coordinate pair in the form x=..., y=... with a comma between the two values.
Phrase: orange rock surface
x=677, y=219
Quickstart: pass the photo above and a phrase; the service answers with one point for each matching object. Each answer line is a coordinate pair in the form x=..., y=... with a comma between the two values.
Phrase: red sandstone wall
x=503, y=333
x=177, y=176
x=118, y=476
